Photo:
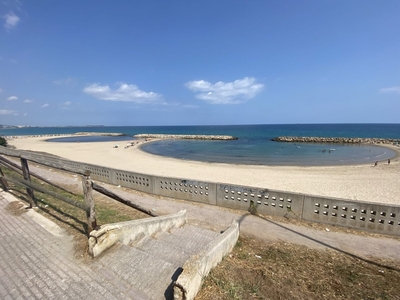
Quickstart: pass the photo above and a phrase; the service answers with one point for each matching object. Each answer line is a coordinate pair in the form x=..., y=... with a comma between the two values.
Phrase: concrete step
x=144, y=272
x=191, y=231
x=168, y=252
x=148, y=267
x=190, y=245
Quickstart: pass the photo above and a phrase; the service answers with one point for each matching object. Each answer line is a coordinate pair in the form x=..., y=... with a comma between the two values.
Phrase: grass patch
x=258, y=270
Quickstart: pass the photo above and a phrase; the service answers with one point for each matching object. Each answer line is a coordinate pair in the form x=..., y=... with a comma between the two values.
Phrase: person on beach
x=389, y=161
x=376, y=163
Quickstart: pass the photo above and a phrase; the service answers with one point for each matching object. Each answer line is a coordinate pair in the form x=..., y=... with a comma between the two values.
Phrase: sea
x=253, y=146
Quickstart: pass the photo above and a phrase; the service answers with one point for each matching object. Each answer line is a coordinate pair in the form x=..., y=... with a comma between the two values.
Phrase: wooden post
x=27, y=176
x=88, y=193
x=3, y=182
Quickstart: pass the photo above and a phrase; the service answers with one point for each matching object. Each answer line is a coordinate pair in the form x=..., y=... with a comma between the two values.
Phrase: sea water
x=253, y=146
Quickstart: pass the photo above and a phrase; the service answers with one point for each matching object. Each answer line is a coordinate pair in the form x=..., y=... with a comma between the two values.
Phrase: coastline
x=355, y=182
x=56, y=135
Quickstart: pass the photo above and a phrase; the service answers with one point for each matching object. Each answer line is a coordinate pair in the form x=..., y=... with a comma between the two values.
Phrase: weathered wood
x=43, y=161
x=3, y=182
x=10, y=152
x=110, y=194
x=27, y=176
x=88, y=194
x=10, y=165
x=17, y=168
x=50, y=193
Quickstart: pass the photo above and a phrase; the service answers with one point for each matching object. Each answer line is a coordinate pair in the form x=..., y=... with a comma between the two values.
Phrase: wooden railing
x=87, y=185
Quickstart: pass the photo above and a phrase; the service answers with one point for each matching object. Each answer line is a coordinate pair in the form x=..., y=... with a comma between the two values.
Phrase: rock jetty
x=185, y=136
x=334, y=140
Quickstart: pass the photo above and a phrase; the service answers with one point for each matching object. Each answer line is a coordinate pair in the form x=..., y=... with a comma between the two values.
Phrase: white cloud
x=1, y=90
x=12, y=20
x=45, y=105
x=65, y=105
x=12, y=98
x=7, y=112
x=394, y=89
x=125, y=92
x=25, y=114
x=238, y=91
x=28, y=101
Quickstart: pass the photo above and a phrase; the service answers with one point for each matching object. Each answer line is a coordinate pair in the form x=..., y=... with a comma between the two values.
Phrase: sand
x=379, y=184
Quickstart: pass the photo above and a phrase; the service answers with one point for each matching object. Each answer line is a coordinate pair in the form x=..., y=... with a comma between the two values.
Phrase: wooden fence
x=87, y=185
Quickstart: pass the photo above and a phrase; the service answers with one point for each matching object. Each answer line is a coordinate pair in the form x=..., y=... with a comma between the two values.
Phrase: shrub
x=3, y=142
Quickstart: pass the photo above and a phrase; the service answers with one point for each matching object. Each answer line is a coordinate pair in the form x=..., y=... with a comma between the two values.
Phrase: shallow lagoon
x=268, y=152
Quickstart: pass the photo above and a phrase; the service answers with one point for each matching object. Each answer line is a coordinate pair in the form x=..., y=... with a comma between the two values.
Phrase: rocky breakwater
x=185, y=136
x=101, y=133
x=335, y=140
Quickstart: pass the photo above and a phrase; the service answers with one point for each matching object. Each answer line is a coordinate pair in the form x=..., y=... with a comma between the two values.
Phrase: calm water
x=254, y=145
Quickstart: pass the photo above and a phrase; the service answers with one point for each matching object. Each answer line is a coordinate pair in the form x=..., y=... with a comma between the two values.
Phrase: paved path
x=36, y=263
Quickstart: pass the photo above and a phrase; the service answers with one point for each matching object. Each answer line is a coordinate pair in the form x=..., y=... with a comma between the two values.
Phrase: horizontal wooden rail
x=110, y=194
x=7, y=163
x=33, y=186
x=42, y=161
x=55, y=166
x=13, y=166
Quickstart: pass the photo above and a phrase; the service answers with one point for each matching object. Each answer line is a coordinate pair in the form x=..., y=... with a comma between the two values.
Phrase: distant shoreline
x=10, y=137
x=186, y=136
x=140, y=136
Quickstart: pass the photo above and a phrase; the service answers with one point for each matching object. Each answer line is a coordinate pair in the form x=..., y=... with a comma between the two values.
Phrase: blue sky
x=199, y=62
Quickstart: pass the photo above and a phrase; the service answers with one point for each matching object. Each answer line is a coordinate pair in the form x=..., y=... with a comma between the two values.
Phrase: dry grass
x=257, y=270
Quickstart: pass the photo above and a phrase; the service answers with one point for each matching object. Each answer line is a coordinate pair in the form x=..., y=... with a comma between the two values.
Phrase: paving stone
x=35, y=264
x=188, y=230
x=173, y=254
x=31, y=255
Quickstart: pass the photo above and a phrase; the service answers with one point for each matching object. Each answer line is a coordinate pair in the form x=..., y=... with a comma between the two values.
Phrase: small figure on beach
x=389, y=161
x=376, y=163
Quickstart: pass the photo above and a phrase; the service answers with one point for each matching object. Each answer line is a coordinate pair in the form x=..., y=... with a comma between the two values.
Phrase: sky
x=210, y=62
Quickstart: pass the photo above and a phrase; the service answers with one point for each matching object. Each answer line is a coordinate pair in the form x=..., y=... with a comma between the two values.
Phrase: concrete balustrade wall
x=186, y=189
x=265, y=201
x=362, y=215
x=368, y=216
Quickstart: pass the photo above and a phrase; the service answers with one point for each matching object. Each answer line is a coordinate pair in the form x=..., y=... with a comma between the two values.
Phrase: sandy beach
x=356, y=182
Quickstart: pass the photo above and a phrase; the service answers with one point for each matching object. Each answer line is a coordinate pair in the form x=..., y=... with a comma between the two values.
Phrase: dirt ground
x=281, y=270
